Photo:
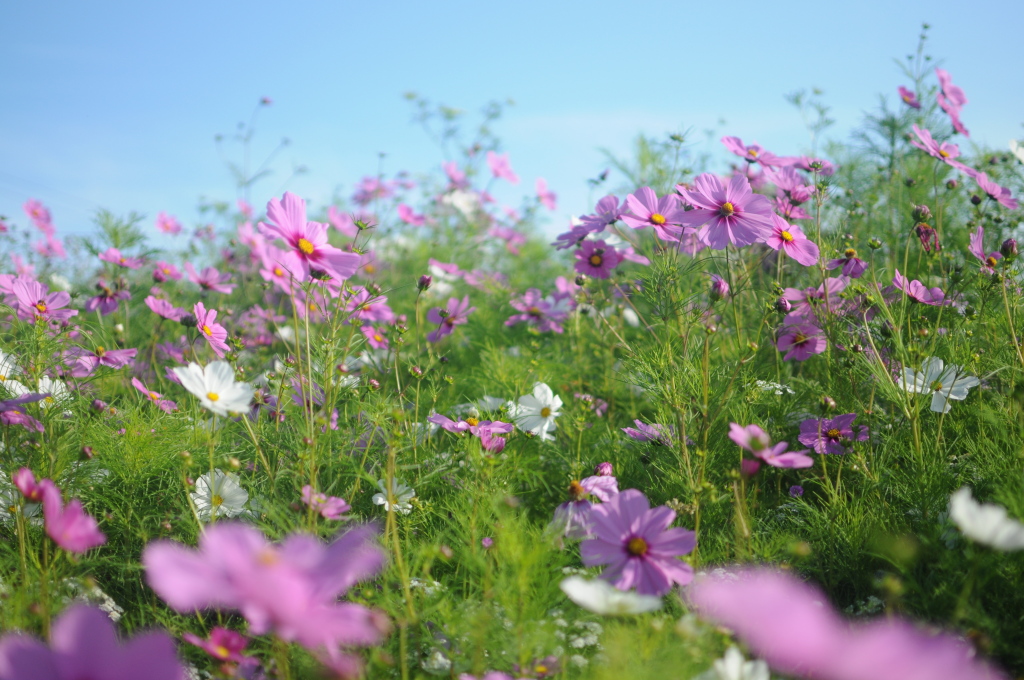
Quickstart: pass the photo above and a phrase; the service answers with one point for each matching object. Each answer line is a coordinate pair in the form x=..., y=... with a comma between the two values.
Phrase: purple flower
x=597, y=259
x=114, y=256
x=34, y=303
x=945, y=152
x=726, y=213
x=546, y=313
x=719, y=288
x=329, y=507
x=307, y=240
x=806, y=301
x=223, y=645
x=917, y=291
x=606, y=212
x=500, y=167
x=977, y=248
x=163, y=404
x=659, y=434
x=909, y=98
x=83, y=644
x=997, y=193
x=753, y=153
x=790, y=184
x=84, y=362
x=456, y=313
x=68, y=525
x=647, y=210
x=796, y=491
x=801, y=341
x=831, y=435
x=951, y=99
x=789, y=624
x=852, y=266
x=107, y=301
x=752, y=438
x=210, y=279
x=637, y=546
x=790, y=240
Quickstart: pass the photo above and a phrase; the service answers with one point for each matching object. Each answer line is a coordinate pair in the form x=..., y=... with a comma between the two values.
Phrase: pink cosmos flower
x=500, y=167
x=637, y=546
x=114, y=256
x=107, y=301
x=374, y=338
x=606, y=212
x=244, y=208
x=752, y=153
x=572, y=519
x=370, y=189
x=164, y=308
x=457, y=312
x=977, y=248
x=917, y=291
x=213, y=332
x=84, y=644
x=997, y=193
x=26, y=483
x=647, y=210
x=168, y=224
x=290, y=589
x=752, y=438
x=210, y=279
x=659, y=434
x=165, y=405
x=409, y=216
x=807, y=302
x=21, y=268
x=223, y=645
x=84, y=362
x=34, y=303
x=366, y=306
x=40, y=216
x=280, y=267
x=945, y=152
x=12, y=412
x=597, y=259
x=456, y=177
x=817, y=166
x=68, y=525
x=853, y=266
x=790, y=240
x=831, y=435
x=308, y=240
x=512, y=238
x=51, y=247
x=329, y=507
x=545, y=313
x=790, y=184
x=790, y=625
x=163, y=271
x=909, y=98
x=726, y=213
x=801, y=341
x=547, y=198
x=951, y=100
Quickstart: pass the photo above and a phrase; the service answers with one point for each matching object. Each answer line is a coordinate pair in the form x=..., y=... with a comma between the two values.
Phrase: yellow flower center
x=206, y=329
x=545, y=412
x=727, y=209
x=154, y=396
x=533, y=311
x=268, y=556
x=217, y=501
x=576, y=491
x=278, y=271
x=369, y=269
x=991, y=261
x=786, y=236
x=100, y=351
x=305, y=246
x=850, y=253
x=637, y=547
x=799, y=339
x=377, y=337
x=833, y=433
x=473, y=422
x=540, y=669
x=943, y=153
x=221, y=652
x=752, y=153
x=937, y=386
x=41, y=306
x=596, y=260
x=212, y=396
x=658, y=218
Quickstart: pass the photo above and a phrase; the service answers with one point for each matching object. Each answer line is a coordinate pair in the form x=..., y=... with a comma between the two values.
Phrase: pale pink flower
x=500, y=167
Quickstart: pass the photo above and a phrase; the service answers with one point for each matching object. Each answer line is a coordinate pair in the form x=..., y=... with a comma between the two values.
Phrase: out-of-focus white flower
x=940, y=381
x=1018, y=149
x=601, y=597
x=400, y=493
x=224, y=497
x=985, y=523
x=536, y=413
x=732, y=666
x=216, y=387
x=466, y=202
x=58, y=282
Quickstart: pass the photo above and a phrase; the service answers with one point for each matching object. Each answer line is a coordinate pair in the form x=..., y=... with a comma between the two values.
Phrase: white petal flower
x=536, y=413
x=224, y=497
x=8, y=367
x=940, y=381
x=57, y=390
x=1018, y=149
x=732, y=666
x=401, y=494
x=601, y=597
x=985, y=523
x=216, y=387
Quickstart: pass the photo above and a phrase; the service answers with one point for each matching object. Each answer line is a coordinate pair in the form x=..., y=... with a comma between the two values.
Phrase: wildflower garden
x=736, y=422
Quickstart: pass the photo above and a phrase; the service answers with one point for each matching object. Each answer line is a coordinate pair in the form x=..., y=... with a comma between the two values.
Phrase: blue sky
x=115, y=104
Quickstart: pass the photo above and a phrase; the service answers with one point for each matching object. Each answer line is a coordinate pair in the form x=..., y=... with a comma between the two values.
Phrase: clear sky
x=116, y=104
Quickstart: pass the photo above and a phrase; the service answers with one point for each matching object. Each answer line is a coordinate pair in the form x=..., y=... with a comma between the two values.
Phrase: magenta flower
x=210, y=279
x=164, y=308
x=84, y=362
x=107, y=301
x=597, y=259
x=997, y=193
x=647, y=210
x=40, y=216
x=26, y=483
x=917, y=291
x=223, y=645
x=659, y=434
x=790, y=184
x=945, y=152
x=726, y=213
x=290, y=589
x=163, y=271
x=12, y=412
x=572, y=519
x=68, y=525
x=790, y=240
x=35, y=304
x=456, y=177
x=84, y=644
x=168, y=223
x=637, y=546
x=801, y=341
x=308, y=240
x=606, y=212
x=951, y=100
x=546, y=314
x=212, y=332
x=374, y=338
x=853, y=266
x=818, y=166
x=831, y=435
x=500, y=167
x=114, y=256
x=343, y=222
x=977, y=248
x=784, y=621
x=547, y=198
x=163, y=404
x=909, y=98
x=329, y=507
x=752, y=153
x=366, y=306
x=512, y=238
x=410, y=216
x=752, y=438
x=787, y=209
x=456, y=313
x=807, y=301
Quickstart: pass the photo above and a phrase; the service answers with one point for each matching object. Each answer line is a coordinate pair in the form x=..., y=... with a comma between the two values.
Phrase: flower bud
x=975, y=199
x=424, y=282
x=952, y=184
x=874, y=244
x=719, y=288
x=581, y=280
x=921, y=213
x=189, y=320
x=603, y=469
x=1009, y=249
x=783, y=306
x=828, y=403
x=749, y=468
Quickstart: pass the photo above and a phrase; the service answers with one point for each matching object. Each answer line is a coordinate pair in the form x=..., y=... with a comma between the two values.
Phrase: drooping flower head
x=977, y=248
x=210, y=279
x=853, y=266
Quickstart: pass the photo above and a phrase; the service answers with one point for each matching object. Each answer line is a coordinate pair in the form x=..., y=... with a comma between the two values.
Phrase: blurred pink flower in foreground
x=790, y=625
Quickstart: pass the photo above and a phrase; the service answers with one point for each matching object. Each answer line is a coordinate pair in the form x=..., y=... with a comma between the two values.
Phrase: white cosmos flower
x=8, y=366
x=985, y=523
x=601, y=597
x=216, y=387
x=224, y=497
x=401, y=493
x=1018, y=149
x=536, y=413
x=942, y=382
x=732, y=666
